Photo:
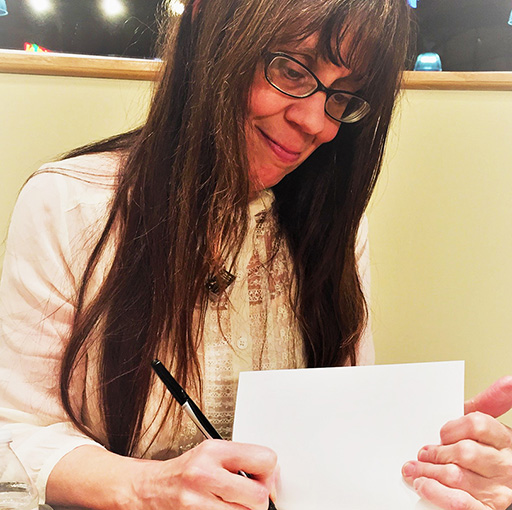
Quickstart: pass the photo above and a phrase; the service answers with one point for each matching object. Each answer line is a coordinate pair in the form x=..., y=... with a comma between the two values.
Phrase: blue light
x=3, y=8
x=413, y=3
x=510, y=19
x=428, y=62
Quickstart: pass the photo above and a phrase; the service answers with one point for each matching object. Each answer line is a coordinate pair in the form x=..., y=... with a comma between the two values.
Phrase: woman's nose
x=308, y=113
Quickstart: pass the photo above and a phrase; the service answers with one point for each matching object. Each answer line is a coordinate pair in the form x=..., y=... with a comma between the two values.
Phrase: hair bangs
x=365, y=37
x=364, y=40
x=302, y=19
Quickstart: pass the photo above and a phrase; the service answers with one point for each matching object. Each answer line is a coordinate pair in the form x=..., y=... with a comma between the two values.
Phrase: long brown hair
x=180, y=209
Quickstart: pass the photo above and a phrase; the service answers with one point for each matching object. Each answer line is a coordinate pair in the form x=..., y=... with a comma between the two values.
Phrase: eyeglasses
x=294, y=79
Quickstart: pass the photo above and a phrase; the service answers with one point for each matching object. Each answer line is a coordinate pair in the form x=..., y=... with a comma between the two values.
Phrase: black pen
x=195, y=414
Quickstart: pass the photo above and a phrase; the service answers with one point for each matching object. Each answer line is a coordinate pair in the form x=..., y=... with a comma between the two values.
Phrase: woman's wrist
x=95, y=478
x=132, y=487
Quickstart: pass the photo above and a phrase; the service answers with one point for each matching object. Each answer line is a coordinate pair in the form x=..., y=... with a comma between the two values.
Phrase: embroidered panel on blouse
x=251, y=326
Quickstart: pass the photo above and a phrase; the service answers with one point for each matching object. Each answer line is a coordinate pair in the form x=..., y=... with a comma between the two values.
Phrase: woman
x=168, y=242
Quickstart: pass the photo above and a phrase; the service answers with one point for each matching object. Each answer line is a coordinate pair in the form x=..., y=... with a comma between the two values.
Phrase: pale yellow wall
x=43, y=116
x=441, y=235
x=440, y=222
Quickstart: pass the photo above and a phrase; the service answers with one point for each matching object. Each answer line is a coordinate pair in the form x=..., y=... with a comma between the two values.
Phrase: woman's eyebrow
x=353, y=81
x=310, y=55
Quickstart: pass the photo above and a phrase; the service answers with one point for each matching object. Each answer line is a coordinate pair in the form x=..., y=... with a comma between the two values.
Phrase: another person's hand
x=206, y=477
x=472, y=467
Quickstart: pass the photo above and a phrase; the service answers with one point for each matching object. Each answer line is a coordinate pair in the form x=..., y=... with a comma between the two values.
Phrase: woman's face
x=283, y=131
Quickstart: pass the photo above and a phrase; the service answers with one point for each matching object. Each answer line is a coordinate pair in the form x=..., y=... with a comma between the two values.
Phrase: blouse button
x=242, y=343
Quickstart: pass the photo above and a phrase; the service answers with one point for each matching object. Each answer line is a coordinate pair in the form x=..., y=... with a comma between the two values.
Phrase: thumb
x=494, y=401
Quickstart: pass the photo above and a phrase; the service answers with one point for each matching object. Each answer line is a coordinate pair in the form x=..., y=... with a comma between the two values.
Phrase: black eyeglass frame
x=320, y=87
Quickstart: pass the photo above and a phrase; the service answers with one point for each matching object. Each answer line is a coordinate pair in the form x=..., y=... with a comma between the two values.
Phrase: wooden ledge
x=448, y=80
x=60, y=64
x=85, y=66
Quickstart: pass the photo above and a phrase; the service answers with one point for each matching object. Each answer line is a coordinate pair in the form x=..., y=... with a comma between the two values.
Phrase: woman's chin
x=267, y=180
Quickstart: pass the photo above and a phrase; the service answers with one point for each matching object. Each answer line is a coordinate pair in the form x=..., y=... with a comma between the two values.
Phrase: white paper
x=343, y=434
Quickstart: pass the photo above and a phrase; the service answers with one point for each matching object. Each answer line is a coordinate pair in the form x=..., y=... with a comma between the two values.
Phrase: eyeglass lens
x=296, y=80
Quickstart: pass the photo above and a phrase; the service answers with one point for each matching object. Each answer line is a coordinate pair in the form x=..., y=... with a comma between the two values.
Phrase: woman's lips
x=281, y=152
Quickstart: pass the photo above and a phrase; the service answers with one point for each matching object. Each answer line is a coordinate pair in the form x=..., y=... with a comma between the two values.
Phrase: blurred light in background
x=113, y=8
x=3, y=8
x=40, y=6
x=35, y=48
x=428, y=62
x=510, y=19
x=413, y=3
x=176, y=7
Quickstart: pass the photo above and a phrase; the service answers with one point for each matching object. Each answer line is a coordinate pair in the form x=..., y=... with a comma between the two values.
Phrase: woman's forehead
x=314, y=53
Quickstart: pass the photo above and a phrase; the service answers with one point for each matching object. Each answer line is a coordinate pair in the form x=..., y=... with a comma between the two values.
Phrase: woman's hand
x=206, y=477
x=472, y=467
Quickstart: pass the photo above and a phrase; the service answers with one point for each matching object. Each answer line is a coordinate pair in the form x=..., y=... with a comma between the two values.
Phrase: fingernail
x=418, y=484
x=274, y=481
x=423, y=454
x=273, y=492
x=408, y=470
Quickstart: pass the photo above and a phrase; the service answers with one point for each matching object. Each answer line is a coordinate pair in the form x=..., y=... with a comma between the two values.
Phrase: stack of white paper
x=343, y=434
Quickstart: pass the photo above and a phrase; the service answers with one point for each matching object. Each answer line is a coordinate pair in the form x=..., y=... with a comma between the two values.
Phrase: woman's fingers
x=471, y=455
x=238, y=490
x=208, y=477
x=225, y=482
x=488, y=491
x=494, y=401
x=196, y=500
x=472, y=467
x=255, y=459
x=445, y=497
x=478, y=427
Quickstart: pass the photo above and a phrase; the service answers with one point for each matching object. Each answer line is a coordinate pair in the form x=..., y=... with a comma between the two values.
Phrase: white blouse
x=58, y=216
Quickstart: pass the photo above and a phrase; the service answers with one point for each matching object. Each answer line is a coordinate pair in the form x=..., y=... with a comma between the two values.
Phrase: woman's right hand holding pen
x=206, y=477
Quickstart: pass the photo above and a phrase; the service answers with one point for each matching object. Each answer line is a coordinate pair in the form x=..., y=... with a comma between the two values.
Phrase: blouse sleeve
x=40, y=273
x=365, y=351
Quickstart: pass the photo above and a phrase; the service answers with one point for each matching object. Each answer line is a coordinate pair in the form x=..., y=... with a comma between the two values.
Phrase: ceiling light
x=113, y=8
x=40, y=6
x=176, y=7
